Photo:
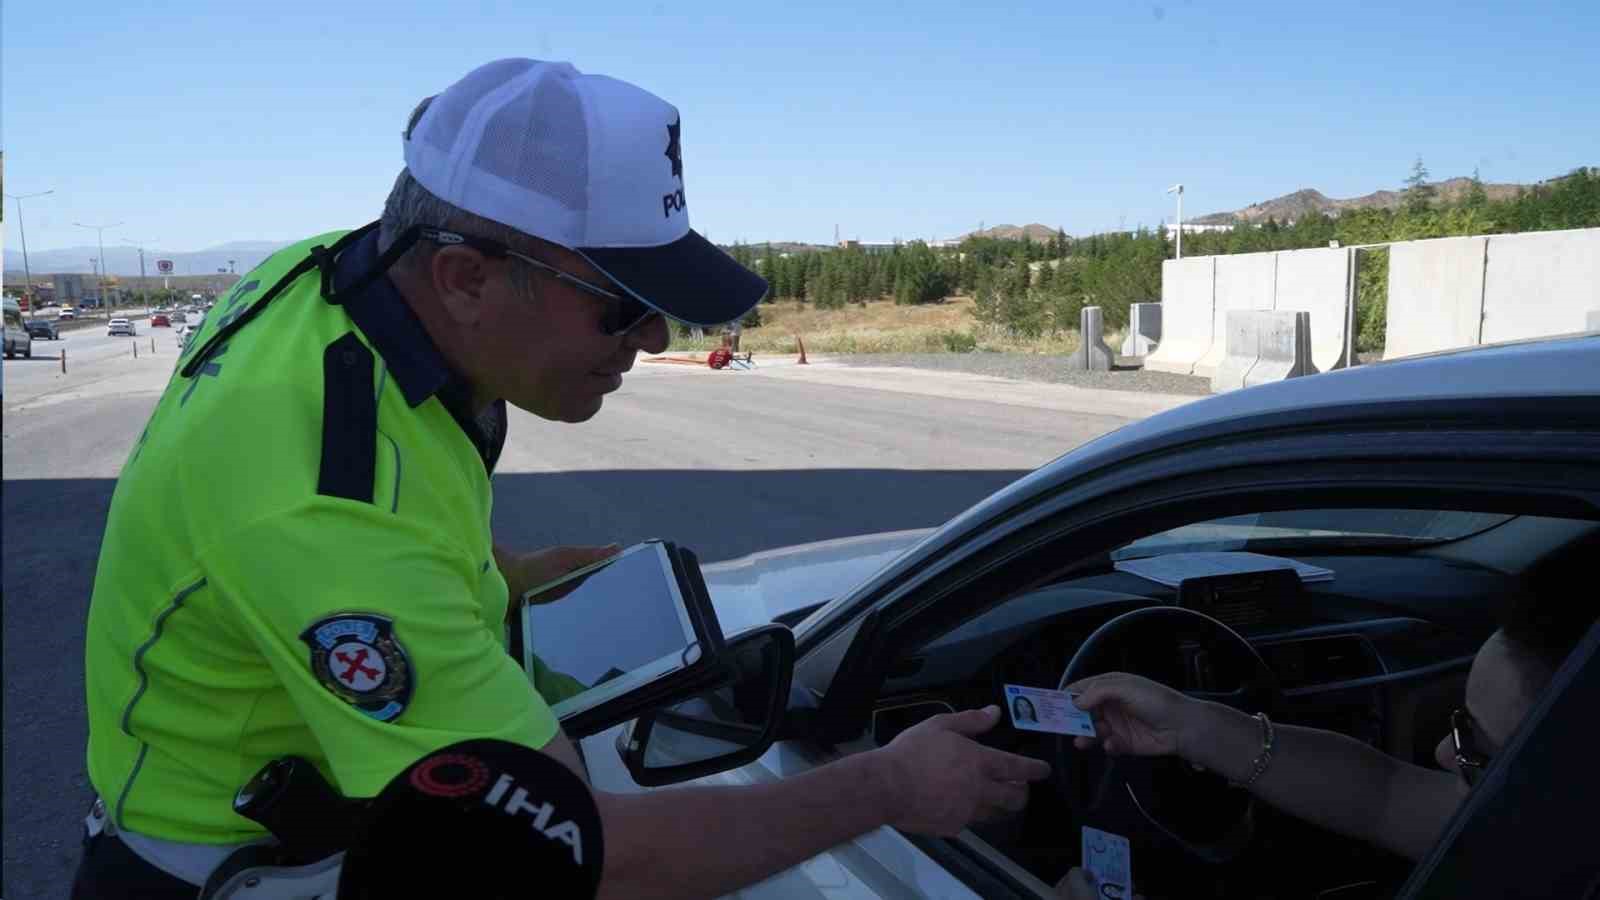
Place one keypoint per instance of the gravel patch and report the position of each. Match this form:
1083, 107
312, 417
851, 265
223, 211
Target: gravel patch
1034, 367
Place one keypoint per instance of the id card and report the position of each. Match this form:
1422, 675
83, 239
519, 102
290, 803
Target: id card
1038, 709
1108, 860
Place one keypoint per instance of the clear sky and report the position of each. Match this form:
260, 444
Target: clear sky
198, 123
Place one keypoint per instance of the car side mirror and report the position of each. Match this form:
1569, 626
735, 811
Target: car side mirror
728, 723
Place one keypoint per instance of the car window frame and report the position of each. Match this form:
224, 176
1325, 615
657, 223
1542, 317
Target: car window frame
1210, 445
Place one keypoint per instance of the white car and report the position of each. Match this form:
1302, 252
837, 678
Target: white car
66, 312
120, 326
1431, 490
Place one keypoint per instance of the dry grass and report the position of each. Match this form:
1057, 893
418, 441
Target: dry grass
882, 327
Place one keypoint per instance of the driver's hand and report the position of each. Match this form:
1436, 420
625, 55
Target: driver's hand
1134, 715
939, 780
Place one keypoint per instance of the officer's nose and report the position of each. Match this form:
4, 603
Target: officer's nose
651, 336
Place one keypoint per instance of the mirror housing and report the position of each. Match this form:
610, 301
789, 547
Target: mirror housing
729, 722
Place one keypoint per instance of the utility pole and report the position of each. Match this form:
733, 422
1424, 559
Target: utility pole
27, 275
1178, 189
144, 283
100, 234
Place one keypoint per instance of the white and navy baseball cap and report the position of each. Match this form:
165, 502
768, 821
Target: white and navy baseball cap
587, 162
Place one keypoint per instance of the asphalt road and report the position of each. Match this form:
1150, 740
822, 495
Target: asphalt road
724, 462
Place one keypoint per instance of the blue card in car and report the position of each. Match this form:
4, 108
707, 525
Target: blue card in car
1038, 709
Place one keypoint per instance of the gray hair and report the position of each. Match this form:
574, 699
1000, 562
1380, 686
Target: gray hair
410, 204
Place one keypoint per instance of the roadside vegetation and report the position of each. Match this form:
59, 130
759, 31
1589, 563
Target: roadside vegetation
1025, 295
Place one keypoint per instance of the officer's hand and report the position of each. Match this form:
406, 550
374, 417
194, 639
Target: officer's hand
524, 571
939, 780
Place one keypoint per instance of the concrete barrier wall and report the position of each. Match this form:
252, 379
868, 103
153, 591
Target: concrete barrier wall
1092, 355
1241, 342
1187, 306
1318, 282
1284, 341
1243, 281
1262, 346
1144, 329
1435, 295
1540, 283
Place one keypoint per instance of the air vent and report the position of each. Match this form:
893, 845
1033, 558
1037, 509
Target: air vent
1321, 660
1243, 612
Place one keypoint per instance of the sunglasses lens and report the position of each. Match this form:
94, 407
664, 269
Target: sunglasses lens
625, 315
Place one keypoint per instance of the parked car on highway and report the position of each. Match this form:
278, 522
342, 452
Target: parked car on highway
160, 320
43, 329
120, 326
17, 338
66, 312
1432, 490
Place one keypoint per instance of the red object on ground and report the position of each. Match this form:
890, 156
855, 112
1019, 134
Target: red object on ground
719, 358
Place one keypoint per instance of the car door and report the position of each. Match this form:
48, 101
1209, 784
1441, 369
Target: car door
1537, 455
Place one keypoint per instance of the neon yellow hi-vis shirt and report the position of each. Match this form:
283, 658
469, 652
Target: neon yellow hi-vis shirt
297, 560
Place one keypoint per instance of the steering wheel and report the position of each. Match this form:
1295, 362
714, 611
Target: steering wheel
1195, 810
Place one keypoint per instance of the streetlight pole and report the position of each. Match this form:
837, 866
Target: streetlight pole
27, 276
1178, 189
100, 235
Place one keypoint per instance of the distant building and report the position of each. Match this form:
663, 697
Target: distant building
71, 288
1192, 228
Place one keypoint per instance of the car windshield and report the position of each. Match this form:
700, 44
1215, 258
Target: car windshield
1343, 528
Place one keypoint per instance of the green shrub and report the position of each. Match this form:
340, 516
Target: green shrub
958, 341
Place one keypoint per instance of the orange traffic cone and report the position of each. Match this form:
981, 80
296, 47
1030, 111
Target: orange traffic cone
802, 344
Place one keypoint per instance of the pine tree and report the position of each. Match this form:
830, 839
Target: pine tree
1477, 198
1419, 193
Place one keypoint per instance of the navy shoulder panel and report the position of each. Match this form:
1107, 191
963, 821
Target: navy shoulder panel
349, 421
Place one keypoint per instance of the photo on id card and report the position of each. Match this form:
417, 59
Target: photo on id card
1039, 709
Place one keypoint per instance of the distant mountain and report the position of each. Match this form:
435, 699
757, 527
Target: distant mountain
1034, 231
124, 260
1307, 201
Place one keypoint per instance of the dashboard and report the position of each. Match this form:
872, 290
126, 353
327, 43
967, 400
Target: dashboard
1378, 653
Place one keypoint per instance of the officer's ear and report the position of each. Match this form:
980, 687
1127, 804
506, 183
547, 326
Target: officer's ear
459, 276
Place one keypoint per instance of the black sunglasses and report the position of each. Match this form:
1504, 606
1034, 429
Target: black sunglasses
623, 312
1470, 761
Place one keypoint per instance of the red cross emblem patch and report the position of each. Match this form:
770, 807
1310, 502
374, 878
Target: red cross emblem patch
357, 657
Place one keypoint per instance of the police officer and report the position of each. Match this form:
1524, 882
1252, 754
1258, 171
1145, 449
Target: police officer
298, 558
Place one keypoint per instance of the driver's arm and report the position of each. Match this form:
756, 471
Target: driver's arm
709, 841
1330, 779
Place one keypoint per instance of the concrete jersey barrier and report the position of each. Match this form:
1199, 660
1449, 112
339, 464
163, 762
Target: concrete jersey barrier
1187, 314
1435, 295
1092, 354
1144, 329
1285, 347
1263, 346
1540, 283
1318, 283
1244, 281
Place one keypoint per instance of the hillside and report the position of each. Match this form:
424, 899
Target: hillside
1308, 200
1034, 231
124, 260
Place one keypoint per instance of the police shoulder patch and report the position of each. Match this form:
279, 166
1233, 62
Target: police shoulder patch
359, 659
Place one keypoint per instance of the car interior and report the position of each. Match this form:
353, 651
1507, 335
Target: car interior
1379, 652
